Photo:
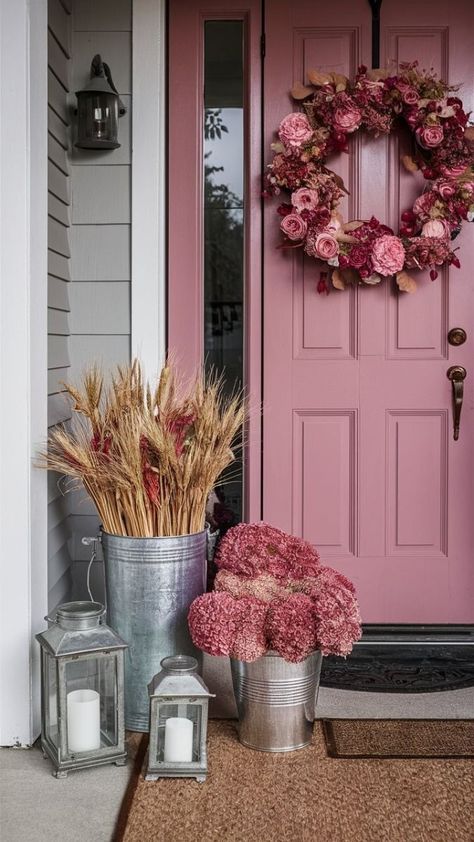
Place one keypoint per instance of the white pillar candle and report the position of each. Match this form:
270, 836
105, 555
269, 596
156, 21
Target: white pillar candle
178, 740
83, 720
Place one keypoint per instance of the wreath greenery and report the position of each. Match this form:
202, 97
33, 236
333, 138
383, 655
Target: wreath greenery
334, 108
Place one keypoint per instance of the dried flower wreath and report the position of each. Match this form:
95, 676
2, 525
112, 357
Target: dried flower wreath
361, 251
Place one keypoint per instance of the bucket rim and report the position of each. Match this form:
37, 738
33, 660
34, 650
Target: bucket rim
152, 537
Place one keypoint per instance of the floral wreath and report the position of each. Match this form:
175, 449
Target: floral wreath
361, 251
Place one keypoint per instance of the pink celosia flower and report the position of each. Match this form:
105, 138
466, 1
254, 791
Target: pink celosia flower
250, 641
250, 549
265, 587
291, 627
388, 255
213, 622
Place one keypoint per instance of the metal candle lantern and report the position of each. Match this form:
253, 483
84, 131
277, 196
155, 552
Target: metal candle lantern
82, 689
98, 109
179, 702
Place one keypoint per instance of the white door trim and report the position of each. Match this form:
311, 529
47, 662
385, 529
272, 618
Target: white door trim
148, 303
23, 361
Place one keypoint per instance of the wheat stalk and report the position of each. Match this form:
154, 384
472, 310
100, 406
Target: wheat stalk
148, 459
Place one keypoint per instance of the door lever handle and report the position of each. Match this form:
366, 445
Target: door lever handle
457, 375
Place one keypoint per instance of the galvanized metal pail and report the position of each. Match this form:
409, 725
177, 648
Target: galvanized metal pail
276, 701
150, 584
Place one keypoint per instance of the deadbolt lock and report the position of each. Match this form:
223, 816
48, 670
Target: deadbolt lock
457, 336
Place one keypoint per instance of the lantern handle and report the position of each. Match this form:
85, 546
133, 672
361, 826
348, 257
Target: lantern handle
108, 76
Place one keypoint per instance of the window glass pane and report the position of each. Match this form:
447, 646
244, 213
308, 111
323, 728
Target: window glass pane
224, 229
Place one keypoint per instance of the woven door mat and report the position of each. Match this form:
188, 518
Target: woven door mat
400, 738
300, 796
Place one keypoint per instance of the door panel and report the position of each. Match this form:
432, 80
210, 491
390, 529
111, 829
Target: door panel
359, 456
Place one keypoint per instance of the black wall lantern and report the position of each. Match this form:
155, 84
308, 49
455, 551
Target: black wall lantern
98, 109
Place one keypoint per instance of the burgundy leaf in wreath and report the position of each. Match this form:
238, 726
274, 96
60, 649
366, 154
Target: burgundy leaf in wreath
272, 594
335, 108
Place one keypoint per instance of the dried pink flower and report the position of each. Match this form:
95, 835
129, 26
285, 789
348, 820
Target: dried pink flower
291, 629
250, 549
212, 621
250, 641
265, 587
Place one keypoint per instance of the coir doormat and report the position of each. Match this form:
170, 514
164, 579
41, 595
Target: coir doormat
399, 738
300, 796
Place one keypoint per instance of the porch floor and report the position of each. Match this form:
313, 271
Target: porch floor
83, 807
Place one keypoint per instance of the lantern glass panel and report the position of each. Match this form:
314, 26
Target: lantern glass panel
91, 691
97, 118
172, 739
50, 685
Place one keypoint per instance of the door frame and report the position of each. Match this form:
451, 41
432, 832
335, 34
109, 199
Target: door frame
185, 177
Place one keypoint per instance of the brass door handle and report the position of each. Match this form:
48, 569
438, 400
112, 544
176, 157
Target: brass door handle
457, 375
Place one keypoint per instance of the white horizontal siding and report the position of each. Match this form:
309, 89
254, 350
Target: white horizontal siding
90, 15
59, 198
115, 49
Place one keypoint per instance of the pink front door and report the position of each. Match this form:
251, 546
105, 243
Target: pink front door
359, 456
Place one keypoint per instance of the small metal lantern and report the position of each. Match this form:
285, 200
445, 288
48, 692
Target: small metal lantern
179, 702
82, 715
98, 109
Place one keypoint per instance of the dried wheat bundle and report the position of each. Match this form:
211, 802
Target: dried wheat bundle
148, 460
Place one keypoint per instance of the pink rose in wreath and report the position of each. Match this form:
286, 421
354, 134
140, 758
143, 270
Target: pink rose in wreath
388, 255
305, 199
295, 130
456, 171
446, 189
423, 204
430, 136
347, 119
410, 96
326, 246
294, 226
434, 228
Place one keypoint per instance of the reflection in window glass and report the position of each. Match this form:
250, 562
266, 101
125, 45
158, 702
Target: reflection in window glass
224, 229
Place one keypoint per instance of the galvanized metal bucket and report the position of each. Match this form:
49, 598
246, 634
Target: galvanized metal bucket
150, 584
276, 701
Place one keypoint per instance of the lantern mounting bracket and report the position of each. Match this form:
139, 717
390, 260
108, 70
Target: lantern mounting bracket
101, 68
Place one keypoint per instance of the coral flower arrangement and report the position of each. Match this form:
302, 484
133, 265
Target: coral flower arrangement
273, 594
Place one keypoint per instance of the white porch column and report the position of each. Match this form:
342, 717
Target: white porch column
23, 361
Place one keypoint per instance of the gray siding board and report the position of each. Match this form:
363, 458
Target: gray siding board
100, 308
58, 293
57, 128
59, 184
114, 47
58, 322
58, 352
59, 22
100, 253
58, 62
107, 351
58, 511
58, 266
101, 195
58, 210
57, 155
103, 16
57, 376
59, 409
57, 98
62, 590
58, 239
